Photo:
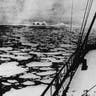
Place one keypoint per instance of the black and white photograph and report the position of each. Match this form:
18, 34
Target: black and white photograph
47, 47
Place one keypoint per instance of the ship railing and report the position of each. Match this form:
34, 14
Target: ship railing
63, 73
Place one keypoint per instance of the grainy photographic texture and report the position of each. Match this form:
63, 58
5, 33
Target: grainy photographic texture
47, 48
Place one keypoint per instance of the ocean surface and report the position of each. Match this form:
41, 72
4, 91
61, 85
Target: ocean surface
30, 56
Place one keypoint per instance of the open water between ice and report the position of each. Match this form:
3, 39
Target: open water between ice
29, 58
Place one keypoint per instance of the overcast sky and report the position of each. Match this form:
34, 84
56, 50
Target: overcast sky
51, 11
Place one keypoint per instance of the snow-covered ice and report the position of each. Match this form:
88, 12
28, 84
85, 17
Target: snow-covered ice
29, 75
34, 64
29, 91
5, 48
46, 73
10, 68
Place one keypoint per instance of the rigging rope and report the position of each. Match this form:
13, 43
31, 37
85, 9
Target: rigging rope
85, 19
84, 15
89, 8
82, 25
71, 16
88, 90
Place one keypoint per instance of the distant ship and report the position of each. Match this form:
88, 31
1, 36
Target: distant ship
45, 25
40, 24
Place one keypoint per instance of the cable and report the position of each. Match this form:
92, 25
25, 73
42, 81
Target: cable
71, 16
84, 16
89, 8
85, 19
82, 25
89, 90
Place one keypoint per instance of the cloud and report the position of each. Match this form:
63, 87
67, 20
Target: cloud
52, 11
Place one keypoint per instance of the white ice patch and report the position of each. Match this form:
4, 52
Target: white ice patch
67, 45
29, 44
15, 57
25, 49
10, 68
46, 68
28, 83
28, 91
53, 53
5, 59
34, 64
29, 75
51, 59
4, 83
6, 48
20, 53
46, 73
19, 58
15, 51
12, 81
6, 55
37, 53
58, 49
47, 80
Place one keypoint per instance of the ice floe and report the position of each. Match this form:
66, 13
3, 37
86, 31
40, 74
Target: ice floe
5, 83
10, 68
4, 59
28, 83
37, 53
29, 75
46, 73
20, 53
19, 58
34, 64
12, 81
6, 48
28, 91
